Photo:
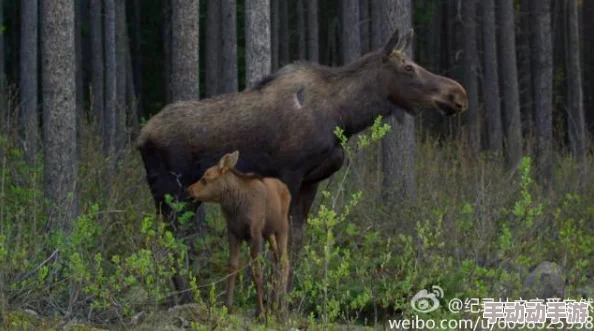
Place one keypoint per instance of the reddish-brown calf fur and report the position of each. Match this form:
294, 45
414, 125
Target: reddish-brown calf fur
256, 208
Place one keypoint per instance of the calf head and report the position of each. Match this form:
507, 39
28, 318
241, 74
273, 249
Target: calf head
216, 180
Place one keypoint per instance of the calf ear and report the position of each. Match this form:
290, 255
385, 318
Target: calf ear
228, 161
232, 161
223, 162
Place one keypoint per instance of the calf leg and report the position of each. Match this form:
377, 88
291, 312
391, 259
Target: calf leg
234, 246
283, 272
255, 244
277, 277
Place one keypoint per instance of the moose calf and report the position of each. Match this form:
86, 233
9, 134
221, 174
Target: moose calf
256, 208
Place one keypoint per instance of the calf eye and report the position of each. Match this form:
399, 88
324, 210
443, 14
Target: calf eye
409, 68
203, 181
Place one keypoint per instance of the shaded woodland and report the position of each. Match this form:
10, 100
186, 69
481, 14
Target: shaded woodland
490, 194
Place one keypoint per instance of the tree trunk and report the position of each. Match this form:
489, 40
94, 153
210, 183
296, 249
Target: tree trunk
213, 47
274, 27
184, 50
110, 111
433, 37
525, 67
79, 64
588, 57
121, 74
85, 19
542, 57
575, 118
301, 32
167, 48
491, 79
445, 56
351, 35
135, 38
97, 78
59, 108
333, 32
470, 78
399, 144
14, 44
509, 79
257, 36
132, 122
3, 96
229, 81
365, 26
377, 33
313, 40
283, 38
29, 118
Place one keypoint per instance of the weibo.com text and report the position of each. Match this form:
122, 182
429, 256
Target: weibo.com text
469, 324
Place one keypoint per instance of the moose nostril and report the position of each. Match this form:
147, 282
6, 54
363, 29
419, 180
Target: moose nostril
456, 101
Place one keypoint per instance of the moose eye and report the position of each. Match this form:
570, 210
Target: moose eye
409, 68
203, 181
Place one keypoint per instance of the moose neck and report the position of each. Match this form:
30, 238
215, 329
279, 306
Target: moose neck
360, 94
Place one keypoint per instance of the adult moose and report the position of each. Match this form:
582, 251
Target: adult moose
284, 126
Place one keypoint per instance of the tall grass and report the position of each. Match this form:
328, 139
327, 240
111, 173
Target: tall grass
475, 228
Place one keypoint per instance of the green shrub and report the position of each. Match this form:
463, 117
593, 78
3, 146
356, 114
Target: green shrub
474, 228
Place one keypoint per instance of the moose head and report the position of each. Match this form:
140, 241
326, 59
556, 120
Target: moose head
413, 87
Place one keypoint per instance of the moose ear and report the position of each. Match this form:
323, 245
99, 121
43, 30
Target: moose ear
406, 40
228, 161
389, 46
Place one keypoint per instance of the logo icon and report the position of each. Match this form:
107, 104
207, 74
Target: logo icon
425, 301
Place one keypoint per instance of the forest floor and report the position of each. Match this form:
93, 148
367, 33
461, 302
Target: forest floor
183, 317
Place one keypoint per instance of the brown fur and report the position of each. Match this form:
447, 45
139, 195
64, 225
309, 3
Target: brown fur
284, 126
343, 96
256, 208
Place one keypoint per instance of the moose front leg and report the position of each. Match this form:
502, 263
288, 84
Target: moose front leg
302, 201
167, 184
300, 205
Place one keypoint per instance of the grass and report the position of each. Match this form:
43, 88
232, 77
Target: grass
474, 228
